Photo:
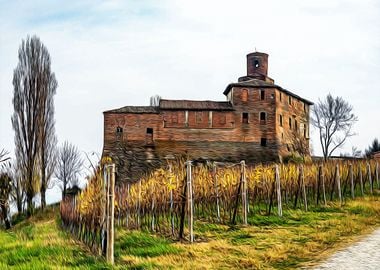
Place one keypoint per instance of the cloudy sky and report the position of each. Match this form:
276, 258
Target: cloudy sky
108, 54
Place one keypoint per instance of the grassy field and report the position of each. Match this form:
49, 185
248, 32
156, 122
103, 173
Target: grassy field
298, 239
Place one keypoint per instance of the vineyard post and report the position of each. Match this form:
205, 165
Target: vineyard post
111, 213
152, 209
369, 177
171, 199
323, 185
139, 205
278, 184
104, 212
127, 218
190, 201
377, 175
303, 188
217, 192
244, 192
361, 180
338, 183
352, 182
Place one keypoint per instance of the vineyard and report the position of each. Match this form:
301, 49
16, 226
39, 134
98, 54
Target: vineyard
171, 200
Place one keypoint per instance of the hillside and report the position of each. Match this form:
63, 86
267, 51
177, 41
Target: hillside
297, 239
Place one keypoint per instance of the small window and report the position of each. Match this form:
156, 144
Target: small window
280, 120
304, 132
280, 96
257, 63
149, 135
263, 142
244, 95
262, 94
290, 100
245, 118
290, 123
198, 117
282, 135
271, 96
295, 125
119, 130
263, 117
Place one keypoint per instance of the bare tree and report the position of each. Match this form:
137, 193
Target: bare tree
48, 142
155, 100
3, 155
34, 86
333, 117
69, 166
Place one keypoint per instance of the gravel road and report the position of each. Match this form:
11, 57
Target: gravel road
364, 254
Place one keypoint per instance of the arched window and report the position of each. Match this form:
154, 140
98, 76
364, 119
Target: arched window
244, 95
263, 117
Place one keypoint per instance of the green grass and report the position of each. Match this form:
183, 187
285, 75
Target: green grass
38, 243
298, 239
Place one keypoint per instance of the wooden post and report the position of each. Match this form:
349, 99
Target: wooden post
217, 192
139, 205
153, 210
244, 192
111, 213
338, 183
377, 175
303, 188
323, 185
104, 212
190, 201
128, 206
361, 180
369, 177
171, 200
278, 184
352, 182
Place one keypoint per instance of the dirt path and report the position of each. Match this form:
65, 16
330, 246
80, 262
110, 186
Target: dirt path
364, 254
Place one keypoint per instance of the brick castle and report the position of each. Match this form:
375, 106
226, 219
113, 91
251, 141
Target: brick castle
258, 122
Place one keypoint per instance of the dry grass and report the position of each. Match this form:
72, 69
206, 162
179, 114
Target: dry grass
298, 239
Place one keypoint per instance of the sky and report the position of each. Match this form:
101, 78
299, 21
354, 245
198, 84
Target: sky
109, 54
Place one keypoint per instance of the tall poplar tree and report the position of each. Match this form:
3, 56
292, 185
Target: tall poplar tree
34, 86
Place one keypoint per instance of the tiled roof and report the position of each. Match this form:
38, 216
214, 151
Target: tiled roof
135, 109
263, 84
166, 104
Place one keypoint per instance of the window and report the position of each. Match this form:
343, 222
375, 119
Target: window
290, 100
290, 123
119, 130
256, 63
280, 120
263, 142
263, 117
149, 136
198, 117
244, 95
262, 94
282, 135
295, 124
245, 118
305, 132
280, 96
